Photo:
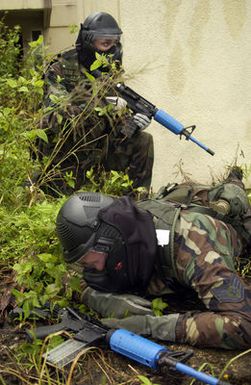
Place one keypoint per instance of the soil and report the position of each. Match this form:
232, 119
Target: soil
103, 367
100, 366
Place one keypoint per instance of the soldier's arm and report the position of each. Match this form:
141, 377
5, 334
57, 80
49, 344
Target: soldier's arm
54, 83
205, 261
228, 329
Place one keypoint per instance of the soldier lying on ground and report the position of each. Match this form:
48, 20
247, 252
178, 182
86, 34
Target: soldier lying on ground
129, 251
80, 135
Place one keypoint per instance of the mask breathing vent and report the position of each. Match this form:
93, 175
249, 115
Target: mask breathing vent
93, 197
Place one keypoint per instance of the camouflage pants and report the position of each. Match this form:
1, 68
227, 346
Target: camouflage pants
80, 152
205, 253
135, 155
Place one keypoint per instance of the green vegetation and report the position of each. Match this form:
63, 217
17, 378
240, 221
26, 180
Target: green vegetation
28, 241
31, 267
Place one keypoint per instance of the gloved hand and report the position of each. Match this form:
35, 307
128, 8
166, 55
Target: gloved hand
118, 102
141, 120
162, 328
115, 305
235, 198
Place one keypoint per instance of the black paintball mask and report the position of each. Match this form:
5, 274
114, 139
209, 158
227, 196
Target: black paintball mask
120, 229
130, 236
114, 278
95, 26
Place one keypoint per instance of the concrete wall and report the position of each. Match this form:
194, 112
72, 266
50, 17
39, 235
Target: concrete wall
196, 63
22, 4
189, 57
67, 13
64, 14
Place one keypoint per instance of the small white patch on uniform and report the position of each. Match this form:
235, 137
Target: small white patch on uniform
162, 237
211, 256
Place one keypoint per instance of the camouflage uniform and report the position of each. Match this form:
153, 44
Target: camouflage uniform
89, 140
200, 257
205, 249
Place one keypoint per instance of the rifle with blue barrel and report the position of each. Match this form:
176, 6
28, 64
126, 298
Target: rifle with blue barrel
90, 332
140, 105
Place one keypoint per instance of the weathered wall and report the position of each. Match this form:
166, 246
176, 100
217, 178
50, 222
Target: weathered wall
198, 67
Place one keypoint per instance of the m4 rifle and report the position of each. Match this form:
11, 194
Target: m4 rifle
90, 332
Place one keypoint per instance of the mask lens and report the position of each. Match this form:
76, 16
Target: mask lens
113, 38
104, 43
93, 259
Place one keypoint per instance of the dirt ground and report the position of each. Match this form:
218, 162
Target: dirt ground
100, 366
103, 367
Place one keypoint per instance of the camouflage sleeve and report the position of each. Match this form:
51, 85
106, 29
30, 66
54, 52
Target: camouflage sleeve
206, 249
53, 81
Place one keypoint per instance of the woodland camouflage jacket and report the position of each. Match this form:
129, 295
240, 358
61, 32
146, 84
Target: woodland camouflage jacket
205, 250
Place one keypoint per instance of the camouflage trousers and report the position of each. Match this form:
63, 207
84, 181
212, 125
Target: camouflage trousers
130, 155
206, 249
135, 155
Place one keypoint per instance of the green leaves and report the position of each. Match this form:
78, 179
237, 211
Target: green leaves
112, 182
55, 99
29, 243
158, 305
73, 28
41, 279
106, 110
90, 77
24, 85
33, 134
12, 83
28, 300
36, 43
101, 60
21, 92
70, 179
47, 258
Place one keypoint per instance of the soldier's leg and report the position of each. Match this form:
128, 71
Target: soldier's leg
205, 260
135, 156
72, 149
142, 158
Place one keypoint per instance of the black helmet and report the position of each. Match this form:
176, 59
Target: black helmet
77, 223
96, 25
100, 24
80, 228
114, 226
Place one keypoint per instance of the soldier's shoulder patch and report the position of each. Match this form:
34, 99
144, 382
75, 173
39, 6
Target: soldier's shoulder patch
231, 290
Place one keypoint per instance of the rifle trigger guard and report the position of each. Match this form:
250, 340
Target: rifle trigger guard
170, 359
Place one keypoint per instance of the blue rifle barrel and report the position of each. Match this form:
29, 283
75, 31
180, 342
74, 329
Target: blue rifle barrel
148, 353
177, 128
